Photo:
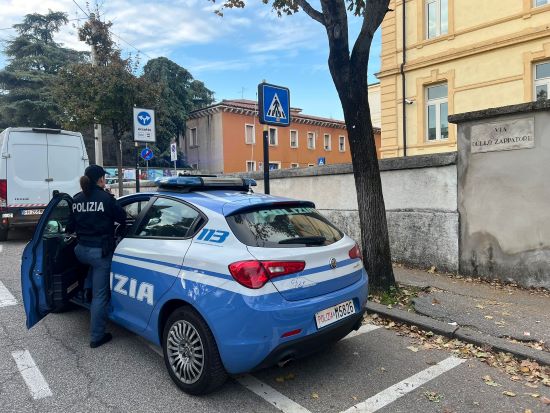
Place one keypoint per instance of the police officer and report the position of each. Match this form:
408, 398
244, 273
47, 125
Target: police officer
94, 213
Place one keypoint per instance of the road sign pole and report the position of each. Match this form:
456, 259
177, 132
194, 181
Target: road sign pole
137, 172
266, 160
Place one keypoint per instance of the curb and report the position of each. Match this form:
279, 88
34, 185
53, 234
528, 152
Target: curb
460, 333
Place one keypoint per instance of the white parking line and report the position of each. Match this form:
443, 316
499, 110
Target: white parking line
31, 374
1, 248
6, 298
400, 389
270, 395
365, 328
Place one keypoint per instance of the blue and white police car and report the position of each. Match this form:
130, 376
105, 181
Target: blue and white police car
227, 281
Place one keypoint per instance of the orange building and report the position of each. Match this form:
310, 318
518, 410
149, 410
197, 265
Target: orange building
227, 137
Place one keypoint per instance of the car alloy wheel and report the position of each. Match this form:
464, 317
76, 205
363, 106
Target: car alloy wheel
185, 352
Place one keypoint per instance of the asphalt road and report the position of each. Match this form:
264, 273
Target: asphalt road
51, 368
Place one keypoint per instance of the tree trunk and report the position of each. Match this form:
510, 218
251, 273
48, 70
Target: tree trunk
118, 142
370, 200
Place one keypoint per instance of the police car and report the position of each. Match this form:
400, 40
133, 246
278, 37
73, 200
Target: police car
227, 281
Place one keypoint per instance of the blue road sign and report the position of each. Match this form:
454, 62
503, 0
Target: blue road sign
144, 118
274, 104
321, 161
147, 154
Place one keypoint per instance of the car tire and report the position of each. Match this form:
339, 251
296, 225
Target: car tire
3, 234
191, 354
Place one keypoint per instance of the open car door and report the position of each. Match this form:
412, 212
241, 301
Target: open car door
50, 273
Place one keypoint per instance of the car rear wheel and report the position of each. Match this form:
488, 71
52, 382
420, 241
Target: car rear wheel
191, 354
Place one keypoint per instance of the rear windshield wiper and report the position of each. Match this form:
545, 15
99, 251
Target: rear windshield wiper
304, 240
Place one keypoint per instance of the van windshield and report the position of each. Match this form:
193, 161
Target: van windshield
287, 227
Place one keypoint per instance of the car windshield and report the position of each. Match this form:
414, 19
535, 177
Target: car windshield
288, 227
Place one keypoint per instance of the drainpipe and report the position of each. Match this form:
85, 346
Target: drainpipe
403, 83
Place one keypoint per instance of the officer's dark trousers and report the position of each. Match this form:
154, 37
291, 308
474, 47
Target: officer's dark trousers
101, 267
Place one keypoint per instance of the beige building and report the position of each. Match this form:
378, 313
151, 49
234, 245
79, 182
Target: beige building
374, 104
459, 56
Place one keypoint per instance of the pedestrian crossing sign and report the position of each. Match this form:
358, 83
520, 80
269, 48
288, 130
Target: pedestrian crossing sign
274, 105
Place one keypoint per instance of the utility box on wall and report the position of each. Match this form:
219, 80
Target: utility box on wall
504, 193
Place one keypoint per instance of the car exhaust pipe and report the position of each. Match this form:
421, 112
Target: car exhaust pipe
285, 361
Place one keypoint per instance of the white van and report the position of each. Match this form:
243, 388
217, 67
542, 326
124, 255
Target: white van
34, 162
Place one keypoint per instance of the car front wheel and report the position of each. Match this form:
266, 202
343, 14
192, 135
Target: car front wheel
191, 354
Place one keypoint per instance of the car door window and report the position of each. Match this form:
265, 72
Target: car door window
134, 209
168, 218
58, 218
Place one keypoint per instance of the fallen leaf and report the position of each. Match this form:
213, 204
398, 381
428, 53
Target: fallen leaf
526, 333
535, 395
280, 379
545, 400
432, 269
433, 396
527, 411
480, 306
382, 369
435, 301
533, 386
489, 381
290, 376
509, 393
525, 369
314, 395
354, 398
413, 349
489, 317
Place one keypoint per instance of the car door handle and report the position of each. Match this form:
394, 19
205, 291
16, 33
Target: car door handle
48, 179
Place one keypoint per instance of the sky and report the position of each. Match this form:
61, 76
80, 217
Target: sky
230, 54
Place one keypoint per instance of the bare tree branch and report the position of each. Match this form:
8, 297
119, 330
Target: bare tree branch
311, 12
373, 15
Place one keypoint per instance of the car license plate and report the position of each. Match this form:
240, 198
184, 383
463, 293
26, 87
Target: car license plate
333, 314
32, 212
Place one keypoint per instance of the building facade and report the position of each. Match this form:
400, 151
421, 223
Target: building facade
227, 137
459, 56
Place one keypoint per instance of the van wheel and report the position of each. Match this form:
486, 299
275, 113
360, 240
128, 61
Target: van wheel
191, 354
3, 234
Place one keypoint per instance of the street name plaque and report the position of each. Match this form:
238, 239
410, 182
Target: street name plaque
503, 135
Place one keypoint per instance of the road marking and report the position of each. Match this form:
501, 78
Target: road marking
365, 328
400, 389
31, 374
270, 395
6, 299
1, 248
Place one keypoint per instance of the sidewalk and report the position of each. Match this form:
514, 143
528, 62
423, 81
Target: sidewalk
505, 318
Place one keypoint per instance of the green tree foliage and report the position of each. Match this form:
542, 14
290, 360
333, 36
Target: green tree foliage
34, 61
349, 69
179, 94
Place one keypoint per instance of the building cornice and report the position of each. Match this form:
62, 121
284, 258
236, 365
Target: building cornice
296, 118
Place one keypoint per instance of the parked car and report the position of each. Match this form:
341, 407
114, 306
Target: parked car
34, 162
225, 280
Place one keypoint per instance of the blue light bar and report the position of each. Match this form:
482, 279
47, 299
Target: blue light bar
205, 182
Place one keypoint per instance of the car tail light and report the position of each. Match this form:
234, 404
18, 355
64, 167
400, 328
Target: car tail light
3, 192
255, 274
355, 252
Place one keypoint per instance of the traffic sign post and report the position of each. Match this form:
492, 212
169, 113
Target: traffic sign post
174, 155
273, 109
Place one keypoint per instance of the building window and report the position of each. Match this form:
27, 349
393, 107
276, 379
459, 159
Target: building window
294, 165
250, 166
273, 136
310, 164
193, 138
293, 138
437, 18
260, 166
437, 112
538, 3
273, 166
311, 140
327, 142
249, 135
542, 80
342, 143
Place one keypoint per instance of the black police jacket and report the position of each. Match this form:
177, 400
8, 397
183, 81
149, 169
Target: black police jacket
93, 218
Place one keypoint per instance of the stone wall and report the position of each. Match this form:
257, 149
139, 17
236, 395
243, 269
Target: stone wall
421, 202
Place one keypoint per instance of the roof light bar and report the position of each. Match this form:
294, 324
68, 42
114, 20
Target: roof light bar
206, 182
